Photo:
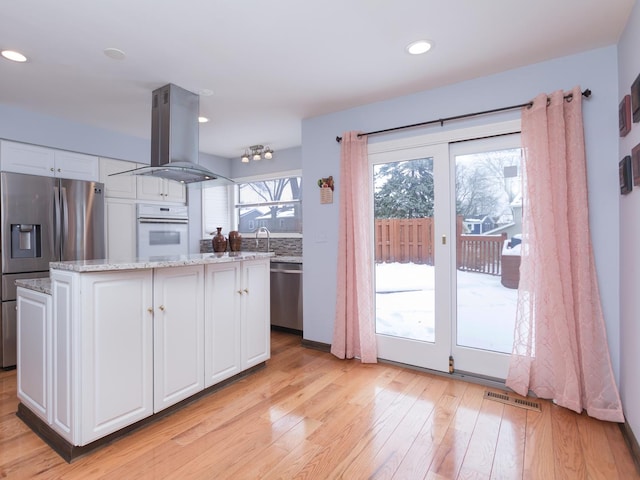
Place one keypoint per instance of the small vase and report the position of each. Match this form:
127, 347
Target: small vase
219, 241
235, 241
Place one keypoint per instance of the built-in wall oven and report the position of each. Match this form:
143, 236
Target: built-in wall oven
163, 230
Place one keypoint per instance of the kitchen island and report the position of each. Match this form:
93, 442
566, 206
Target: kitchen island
117, 343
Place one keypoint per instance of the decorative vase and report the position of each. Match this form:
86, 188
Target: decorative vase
219, 241
235, 241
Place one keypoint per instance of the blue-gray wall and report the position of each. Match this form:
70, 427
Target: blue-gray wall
629, 69
595, 69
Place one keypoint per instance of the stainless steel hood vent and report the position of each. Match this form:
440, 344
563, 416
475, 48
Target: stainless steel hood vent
174, 139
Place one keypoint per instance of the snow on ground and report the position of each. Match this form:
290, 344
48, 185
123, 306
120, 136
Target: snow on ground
405, 300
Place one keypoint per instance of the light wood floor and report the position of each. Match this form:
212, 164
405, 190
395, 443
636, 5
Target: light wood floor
309, 415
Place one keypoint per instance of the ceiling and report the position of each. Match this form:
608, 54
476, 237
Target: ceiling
270, 64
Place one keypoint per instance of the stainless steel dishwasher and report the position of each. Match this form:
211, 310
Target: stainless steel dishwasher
286, 296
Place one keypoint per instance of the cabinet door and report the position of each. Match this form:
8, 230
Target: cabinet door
116, 345
178, 334
25, 158
255, 314
120, 186
160, 189
33, 361
222, 322
175, 192
150, 188
77, 166
64, 370
120, 220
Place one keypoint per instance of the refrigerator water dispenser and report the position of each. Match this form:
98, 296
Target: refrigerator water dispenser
25, 241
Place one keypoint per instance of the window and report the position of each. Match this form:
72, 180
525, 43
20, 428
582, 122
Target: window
216, 210
274, 203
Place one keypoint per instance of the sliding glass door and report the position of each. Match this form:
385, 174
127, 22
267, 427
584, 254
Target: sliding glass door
412, 295
447, 225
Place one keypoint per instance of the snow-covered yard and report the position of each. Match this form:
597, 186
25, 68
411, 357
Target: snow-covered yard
405, 306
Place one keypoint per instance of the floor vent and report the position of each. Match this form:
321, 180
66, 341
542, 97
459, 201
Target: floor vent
509, 400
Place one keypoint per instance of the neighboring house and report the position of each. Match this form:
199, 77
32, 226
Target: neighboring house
479, 226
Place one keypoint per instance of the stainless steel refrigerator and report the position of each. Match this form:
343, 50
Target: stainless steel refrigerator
42, 220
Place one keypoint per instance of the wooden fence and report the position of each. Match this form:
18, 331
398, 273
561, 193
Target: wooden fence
404, 240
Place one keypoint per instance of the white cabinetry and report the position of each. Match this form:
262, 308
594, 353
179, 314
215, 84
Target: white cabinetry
255, 312
48, 162
178, 306
110, 348
160, 189
107, 384
119, 186
34, 351
116, 363
222, 322
237, 326
120, 229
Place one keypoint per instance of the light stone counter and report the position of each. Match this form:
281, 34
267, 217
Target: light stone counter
106, 265
42, 285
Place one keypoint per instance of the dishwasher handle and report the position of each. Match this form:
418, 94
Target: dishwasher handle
276, 270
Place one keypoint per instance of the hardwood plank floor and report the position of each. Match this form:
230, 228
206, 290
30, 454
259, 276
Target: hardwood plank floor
309, 415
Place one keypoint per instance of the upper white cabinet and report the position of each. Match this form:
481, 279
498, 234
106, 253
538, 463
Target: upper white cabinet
117, 186
48, 162
138, 187
76, 165
160, 189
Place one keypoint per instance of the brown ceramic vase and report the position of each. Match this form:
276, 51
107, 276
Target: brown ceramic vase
235, 241
219, 241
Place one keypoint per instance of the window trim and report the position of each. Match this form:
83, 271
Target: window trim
260, 178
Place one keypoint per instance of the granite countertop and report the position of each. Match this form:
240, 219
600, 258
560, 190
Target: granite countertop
105, 265
286, 259
42, 285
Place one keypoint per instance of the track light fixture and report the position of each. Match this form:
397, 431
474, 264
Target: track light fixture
256, 152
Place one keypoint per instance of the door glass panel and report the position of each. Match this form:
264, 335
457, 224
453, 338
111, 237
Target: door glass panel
489, 227
404, 250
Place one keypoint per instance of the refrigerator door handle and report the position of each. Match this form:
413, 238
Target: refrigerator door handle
57, 221
64, 235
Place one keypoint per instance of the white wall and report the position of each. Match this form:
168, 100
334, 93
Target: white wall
596, 70
629, 68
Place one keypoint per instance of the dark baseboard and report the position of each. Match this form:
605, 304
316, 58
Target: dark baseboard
632, 443
294, 331
70, 452
323, 347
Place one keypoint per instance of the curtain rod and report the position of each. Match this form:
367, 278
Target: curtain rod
586, 93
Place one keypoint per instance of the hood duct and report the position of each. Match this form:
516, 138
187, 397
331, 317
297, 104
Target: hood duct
175, 139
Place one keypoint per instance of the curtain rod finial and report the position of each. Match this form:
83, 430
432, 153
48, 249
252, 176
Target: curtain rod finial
338, 139
587, 93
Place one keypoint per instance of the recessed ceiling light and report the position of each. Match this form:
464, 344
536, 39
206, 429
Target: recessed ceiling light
203, 119
419, 47
114, 53
13, 56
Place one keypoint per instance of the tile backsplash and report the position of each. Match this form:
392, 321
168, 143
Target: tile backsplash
279, 245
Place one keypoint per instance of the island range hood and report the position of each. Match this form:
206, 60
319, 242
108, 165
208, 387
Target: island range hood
175, 140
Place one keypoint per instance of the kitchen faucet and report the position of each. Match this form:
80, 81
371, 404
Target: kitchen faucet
266, 230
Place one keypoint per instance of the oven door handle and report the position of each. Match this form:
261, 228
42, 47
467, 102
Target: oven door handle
171, 221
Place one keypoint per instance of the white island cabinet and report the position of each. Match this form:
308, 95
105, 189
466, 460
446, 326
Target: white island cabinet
128, 339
